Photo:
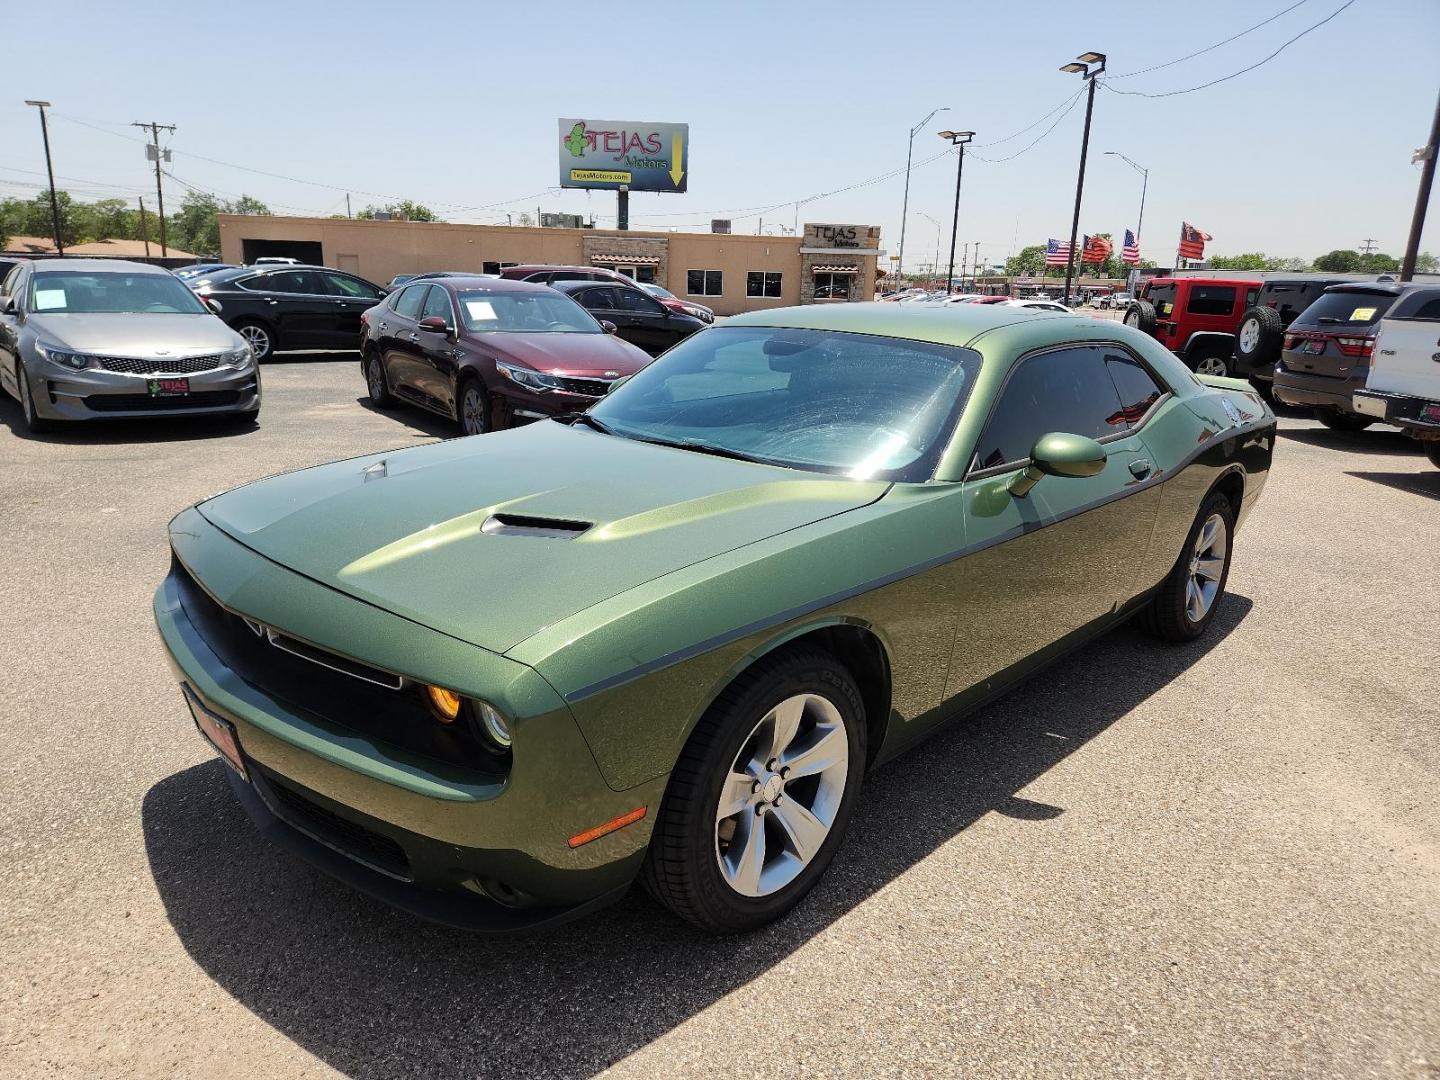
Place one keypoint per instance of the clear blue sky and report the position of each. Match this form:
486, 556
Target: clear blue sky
454, 105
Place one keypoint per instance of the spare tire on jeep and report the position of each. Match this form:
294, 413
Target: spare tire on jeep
1257, 341
1141, 315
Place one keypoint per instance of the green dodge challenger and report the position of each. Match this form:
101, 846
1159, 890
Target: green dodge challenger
494, 681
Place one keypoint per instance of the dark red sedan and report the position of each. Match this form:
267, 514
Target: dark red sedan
489, 353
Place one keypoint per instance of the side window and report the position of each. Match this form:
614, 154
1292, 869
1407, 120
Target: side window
340, 285
636, 301
259, 283
438, 303
704, 282
762, 283
599, 299
9, 280
409, 303
1211, 300
1430, 310
1065, 390
1137, 387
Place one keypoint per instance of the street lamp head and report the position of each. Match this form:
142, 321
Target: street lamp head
957, 138
947, 134
42, 104
1092, 57
1075, 69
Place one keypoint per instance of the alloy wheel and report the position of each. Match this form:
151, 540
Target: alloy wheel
257, 339
1132, 318
375, 379
1212, 365
1249, 335
781, 797
1207, 566
472, 411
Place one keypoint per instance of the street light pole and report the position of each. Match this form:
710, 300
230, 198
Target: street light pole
1144, 183
50, 170
905, 207
956, 138
1081, 66
1427, 153
939, 232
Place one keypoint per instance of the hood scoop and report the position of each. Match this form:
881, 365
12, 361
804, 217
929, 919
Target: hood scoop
529, 525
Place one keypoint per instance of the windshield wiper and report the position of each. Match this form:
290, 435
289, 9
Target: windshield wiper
1329, 319
706, 448
598, 425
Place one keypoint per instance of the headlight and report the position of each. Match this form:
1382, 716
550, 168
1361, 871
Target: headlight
523, 376
448, 707
494, 724
237, 358
70, 361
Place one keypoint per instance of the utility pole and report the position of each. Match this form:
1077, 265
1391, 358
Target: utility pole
1367, 247
1426, 154
1081, 67
347, 205
50, 169
144, 230
959, 139
975, 266
159, 191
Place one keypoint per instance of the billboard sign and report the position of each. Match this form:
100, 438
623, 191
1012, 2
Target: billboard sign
609, 155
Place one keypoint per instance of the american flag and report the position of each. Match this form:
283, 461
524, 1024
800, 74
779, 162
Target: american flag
1192, 241
1057, 252
1097, 249
1130, 253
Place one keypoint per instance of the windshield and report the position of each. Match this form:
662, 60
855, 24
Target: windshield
657, 290
853, 404
71, 292
524, 313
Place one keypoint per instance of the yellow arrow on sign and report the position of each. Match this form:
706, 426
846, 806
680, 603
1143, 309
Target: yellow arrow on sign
676, 148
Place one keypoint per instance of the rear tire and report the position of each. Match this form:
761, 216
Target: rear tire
1341, 421
1432, 451
258, 336
1141, 315
1210, 359
732, 872
376, 383
1186, 602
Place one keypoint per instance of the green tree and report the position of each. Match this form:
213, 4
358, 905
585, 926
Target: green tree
1339, 261
1378, 263
1424, 262
409, 211
1030, 260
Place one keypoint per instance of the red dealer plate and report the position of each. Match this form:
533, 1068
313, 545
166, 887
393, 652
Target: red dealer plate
169, 387
218, 732
1430, 414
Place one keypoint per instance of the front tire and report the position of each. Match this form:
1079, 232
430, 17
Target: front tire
472, 407
762, 794
35, 424
1342, 421
1191, 593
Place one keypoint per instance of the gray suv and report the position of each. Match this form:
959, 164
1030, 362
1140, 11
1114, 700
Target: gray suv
84, 339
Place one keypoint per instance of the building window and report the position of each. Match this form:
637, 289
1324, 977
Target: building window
495, 267
703, 282
830, 286
762, 283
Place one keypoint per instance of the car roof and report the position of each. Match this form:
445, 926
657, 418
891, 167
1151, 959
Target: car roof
943, 324
115, 266
479, 283
1205, 280
527, 268
1390, 288
610, 283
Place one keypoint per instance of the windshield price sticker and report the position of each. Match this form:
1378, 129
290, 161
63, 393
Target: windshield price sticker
46, 299
1362, 314
480, 310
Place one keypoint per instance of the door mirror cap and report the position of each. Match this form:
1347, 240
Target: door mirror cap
1059, 454
7, 305
435, 324
608, 326
213, 305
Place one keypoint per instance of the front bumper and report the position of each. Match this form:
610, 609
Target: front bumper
481, 847
1319, 391
1402, 410
96, 395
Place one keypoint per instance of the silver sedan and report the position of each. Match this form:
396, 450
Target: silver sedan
85, 339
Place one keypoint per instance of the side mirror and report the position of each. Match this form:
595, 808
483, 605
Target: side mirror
435, 324
7, 305
213, 305
1059, 454
608, 326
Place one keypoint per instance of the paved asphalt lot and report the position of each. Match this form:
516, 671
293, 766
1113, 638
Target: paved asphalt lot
1215, 860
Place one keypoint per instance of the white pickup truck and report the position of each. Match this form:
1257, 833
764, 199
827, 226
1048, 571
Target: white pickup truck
1403, 387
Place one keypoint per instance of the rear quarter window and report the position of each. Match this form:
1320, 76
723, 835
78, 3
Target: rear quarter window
1347, 309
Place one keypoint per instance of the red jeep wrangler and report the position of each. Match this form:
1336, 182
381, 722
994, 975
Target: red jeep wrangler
1195, 318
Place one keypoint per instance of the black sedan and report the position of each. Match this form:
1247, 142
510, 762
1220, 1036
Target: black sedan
638, 317
291, 307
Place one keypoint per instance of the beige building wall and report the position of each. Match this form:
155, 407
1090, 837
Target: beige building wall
378, 250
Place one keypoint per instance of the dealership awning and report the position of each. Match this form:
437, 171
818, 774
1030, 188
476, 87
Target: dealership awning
627, 260
837, 269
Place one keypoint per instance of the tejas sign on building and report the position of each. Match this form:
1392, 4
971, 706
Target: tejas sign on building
612, 154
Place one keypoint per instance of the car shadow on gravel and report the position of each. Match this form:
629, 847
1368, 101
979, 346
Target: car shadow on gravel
1421, 483
1369, 441
376, 993
423, 421
150, 429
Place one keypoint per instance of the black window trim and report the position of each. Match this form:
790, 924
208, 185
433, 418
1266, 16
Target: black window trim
1166, 393
347, 296
704, 281
762, 294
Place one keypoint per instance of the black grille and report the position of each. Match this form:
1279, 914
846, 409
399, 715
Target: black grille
205, 399
137, 366
588, 387
348, 837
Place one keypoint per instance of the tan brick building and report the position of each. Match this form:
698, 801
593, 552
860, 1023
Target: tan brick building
729, 272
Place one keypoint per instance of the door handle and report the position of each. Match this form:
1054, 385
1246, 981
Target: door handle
413, 336
1140, 468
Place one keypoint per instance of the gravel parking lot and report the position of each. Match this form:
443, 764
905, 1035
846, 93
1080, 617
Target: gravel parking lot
1215, 860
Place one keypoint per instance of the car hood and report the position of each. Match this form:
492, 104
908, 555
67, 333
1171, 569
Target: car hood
135, 333
471, 537
567, 354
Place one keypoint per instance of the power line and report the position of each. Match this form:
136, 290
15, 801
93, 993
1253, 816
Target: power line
1236, 74
1211, 48
1036, 142
1029, 127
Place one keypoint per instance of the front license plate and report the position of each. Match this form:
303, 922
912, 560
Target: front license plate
218, 732
1430, 413
169, 387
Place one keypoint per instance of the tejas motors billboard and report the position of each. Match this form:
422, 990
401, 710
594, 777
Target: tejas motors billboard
609, 154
